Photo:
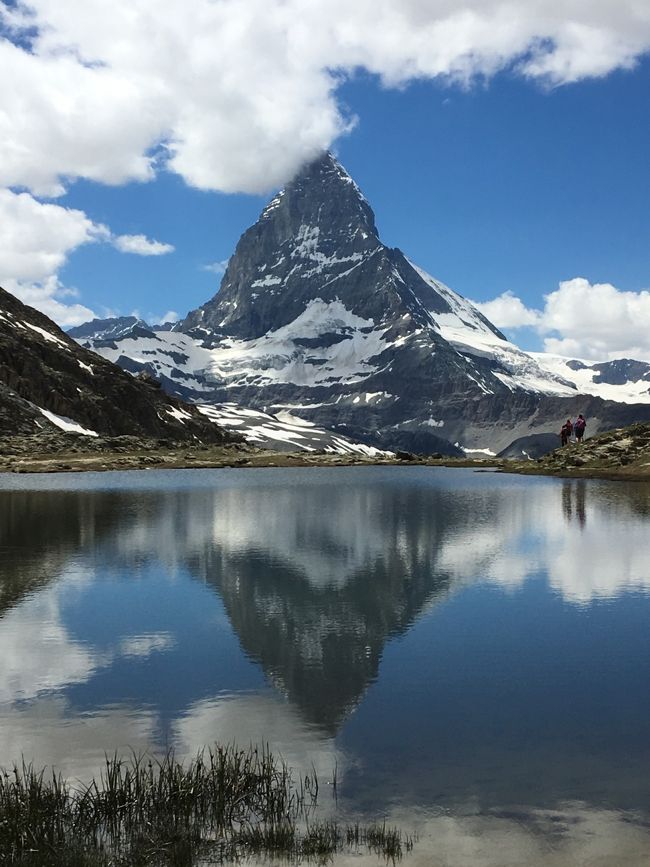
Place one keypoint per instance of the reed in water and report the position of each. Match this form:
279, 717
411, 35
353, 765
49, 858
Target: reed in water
225, 804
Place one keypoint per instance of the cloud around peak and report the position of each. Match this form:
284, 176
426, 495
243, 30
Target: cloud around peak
238, 94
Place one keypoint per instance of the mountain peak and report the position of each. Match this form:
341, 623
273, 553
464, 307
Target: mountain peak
321, 180
313, 231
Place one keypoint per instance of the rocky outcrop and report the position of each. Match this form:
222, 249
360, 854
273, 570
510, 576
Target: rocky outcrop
624, 450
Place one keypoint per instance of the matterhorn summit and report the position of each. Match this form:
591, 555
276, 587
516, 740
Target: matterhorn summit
317, 317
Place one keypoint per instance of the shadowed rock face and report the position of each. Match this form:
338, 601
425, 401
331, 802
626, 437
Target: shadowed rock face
621, 370
42, 368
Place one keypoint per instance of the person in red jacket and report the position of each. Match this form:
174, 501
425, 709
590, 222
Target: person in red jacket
566, 431
579, 428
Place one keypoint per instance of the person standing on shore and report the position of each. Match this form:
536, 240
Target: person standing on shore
566, 431
579, 428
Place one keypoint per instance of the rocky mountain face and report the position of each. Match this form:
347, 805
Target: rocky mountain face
48, 381
316, 316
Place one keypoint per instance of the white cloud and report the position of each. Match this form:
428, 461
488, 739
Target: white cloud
216, 267
157, 319
36, 239
49, 296
587, 320
508, 311
597, 321
239, 93
141, 245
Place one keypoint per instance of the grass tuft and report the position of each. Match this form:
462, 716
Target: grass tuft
226, 804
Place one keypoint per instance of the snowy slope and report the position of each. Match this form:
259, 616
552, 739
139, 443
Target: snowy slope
283, 432
473, 335
629, 381
328, 345
348, 343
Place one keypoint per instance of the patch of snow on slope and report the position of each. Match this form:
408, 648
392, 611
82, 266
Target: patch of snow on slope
67, 424
267, 280
179, 414
487, 452
289, 419
629, 392
268, 431
277, 357
46, 334
307, 248
273, 204
168, 352
346, 447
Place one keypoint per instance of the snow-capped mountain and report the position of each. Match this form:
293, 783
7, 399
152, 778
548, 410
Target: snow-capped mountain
107, 329
623, 380
316, 316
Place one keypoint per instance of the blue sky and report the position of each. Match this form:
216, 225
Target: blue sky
504, 172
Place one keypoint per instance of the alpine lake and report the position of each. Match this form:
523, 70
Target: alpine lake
464, 655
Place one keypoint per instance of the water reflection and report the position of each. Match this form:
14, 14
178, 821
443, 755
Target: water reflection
572, 835
346, 617
573, 501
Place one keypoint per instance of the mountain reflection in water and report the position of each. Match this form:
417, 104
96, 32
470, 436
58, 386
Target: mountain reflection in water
437, 635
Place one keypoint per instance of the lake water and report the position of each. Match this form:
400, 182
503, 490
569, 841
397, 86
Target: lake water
470, 651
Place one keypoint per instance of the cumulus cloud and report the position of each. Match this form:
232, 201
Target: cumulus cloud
508, 311
597, 321
141, 245
51, 297
36, 239
237, 94
594, 321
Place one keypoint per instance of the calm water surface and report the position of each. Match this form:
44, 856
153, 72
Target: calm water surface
470, 651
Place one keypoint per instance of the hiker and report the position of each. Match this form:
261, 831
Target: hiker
566, 431
579, 428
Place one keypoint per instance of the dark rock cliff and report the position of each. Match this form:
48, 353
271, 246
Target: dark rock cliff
42, 368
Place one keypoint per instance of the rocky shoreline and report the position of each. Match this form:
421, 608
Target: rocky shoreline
68, 453
621, 454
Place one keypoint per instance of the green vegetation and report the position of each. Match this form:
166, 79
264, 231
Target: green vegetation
223, 805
